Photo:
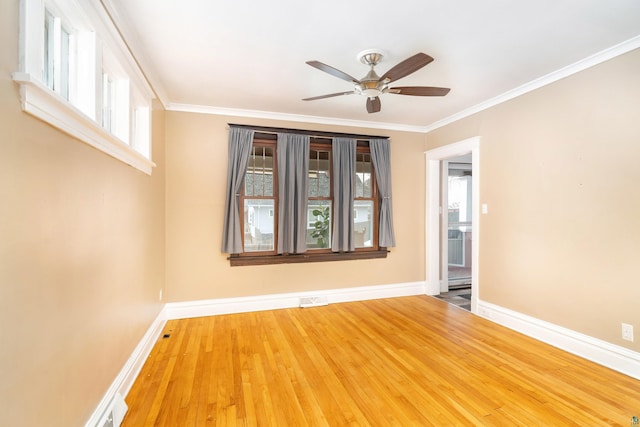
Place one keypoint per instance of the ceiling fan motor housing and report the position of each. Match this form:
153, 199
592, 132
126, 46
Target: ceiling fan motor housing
371, 85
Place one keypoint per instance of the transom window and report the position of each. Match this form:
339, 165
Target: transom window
56, 55
77, 75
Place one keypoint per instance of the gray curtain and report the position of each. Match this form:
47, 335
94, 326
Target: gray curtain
240, 143
381, 159
344, 161
293, 168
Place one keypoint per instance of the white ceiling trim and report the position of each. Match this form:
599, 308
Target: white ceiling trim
257, 114
132, 42
593, 60
581, 65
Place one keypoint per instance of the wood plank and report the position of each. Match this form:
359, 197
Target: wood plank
398, 361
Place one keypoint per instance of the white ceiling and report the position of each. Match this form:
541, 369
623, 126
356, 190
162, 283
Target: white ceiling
249, 56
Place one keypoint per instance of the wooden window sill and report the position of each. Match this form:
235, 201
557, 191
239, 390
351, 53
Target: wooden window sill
242, 260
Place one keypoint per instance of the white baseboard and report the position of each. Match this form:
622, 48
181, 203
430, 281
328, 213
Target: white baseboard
189, 309
610, 355
182, 310
112, 401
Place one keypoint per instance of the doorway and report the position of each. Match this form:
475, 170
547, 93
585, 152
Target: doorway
437, 238
457, 222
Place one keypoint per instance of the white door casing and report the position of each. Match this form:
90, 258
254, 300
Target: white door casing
434, 210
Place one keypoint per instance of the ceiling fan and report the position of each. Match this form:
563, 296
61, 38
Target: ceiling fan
372, 86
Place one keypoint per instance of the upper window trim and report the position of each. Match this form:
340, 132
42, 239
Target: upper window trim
49, 106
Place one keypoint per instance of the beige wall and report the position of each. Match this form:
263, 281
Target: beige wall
83, 236
81, 260
196, 180
561, 177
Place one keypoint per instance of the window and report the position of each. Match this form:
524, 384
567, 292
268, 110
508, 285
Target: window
77, 75
365, 201
116, 98
319, 201
259, 202
56, 55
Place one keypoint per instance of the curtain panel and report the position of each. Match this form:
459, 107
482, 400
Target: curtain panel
381, 159
344, 161
240, 143
293, 170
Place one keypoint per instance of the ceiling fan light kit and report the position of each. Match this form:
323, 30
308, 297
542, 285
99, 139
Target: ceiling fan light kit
372, 85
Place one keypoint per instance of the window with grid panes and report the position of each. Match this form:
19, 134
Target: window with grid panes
319, 210
259, 201
365, 203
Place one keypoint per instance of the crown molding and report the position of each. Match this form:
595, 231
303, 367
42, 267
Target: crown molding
588, 62
593, 60
259, 114
133, 45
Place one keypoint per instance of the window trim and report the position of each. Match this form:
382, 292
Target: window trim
51, 107
312, 255
39, 101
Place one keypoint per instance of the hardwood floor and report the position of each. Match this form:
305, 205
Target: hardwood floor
410, 361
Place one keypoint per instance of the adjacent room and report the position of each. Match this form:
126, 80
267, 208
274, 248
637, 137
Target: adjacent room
342, 213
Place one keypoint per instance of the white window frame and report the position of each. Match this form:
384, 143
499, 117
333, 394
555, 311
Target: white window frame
116, 98
92, 37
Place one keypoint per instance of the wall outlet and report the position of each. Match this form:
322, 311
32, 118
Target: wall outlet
627, 332
160, 295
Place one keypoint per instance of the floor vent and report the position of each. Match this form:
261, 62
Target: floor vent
306, 302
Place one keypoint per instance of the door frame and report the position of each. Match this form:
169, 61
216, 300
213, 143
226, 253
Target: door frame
444, 225
434, 210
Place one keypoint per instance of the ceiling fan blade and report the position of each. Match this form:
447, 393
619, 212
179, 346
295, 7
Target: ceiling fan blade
407, 67
330, 95
420, 90
373, 105
333, 71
